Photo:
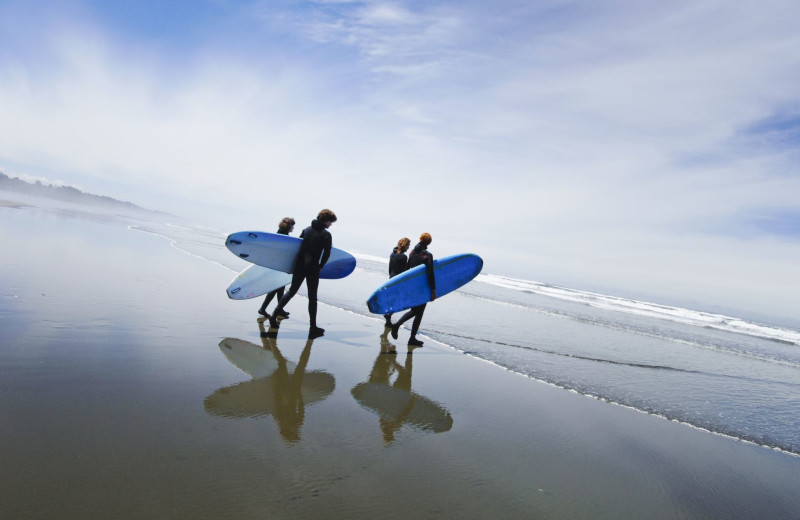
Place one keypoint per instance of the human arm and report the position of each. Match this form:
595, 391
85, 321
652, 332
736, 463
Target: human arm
326, 251
430, 274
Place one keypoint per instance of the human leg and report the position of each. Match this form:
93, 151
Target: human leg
283, 314
415, 326
312, 284
263, 309
407, 316
267, 299
297, 281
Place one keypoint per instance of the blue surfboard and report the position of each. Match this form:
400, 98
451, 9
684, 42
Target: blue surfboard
411, 288
278, 252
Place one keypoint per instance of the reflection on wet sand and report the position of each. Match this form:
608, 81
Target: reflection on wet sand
395, 403
279, 387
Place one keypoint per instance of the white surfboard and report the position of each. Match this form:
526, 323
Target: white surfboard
256, 281
254, 360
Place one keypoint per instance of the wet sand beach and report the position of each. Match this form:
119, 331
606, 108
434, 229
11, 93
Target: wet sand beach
131, 387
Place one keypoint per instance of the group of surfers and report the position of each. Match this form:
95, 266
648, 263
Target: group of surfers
315, 250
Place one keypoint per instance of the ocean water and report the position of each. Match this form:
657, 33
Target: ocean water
722, 374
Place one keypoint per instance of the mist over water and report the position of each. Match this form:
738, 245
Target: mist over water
720, 373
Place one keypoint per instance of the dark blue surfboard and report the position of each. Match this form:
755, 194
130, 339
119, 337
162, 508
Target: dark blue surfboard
411, 288
278, 252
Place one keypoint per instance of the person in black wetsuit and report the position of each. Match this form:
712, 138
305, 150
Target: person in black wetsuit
314, 253
419, 256
285, 227
398, 262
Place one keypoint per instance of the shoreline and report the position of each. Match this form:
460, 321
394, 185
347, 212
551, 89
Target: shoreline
108, 376
612, 402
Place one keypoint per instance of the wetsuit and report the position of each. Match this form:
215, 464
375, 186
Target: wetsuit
279, 291
398, 262
314, 253
419, 256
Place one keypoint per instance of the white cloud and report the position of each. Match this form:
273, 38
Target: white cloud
603, 145
380, 13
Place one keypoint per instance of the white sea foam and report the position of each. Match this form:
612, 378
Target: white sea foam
651, 310
371, 258
613, 402
174, 243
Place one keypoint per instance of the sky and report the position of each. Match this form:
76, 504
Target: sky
642, 149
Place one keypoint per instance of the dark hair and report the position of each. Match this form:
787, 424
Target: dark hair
326, 215
286, 224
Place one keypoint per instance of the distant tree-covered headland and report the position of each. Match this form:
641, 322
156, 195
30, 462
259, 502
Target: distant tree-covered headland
65, 193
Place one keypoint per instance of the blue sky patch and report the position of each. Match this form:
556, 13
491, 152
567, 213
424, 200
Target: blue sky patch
780, 129
783, 223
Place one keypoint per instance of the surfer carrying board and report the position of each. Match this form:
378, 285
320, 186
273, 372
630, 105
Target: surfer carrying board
314, 253
398, 263
285, 227
419, 256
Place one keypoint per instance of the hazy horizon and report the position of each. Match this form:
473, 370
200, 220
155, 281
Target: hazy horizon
633, 149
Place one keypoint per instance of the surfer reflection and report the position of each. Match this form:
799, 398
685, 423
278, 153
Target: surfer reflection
395, 403
279, 387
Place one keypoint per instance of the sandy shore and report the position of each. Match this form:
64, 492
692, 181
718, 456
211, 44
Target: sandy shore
133, 388
11, 204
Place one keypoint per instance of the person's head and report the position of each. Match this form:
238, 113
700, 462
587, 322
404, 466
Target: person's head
425, 239
402, 244
286, 224
327, 217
